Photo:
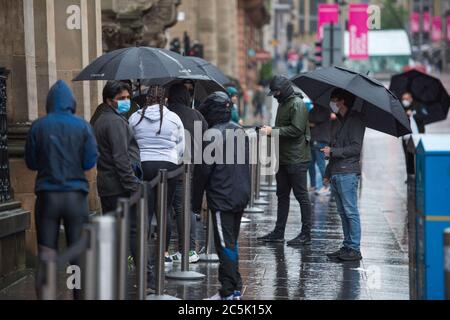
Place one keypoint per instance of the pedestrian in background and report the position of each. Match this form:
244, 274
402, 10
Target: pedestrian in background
294, 159
227, 187
416, 110
320, 123
259, 100
344, 171
234, 95
60, 147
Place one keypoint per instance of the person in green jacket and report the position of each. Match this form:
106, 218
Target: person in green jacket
234, 95
294, 159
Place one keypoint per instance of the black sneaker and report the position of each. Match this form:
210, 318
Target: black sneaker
271, 237
302, 239
336, 254
350, 255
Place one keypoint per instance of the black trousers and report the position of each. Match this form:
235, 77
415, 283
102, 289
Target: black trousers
226, 234
293, 177
177, 207
51, 208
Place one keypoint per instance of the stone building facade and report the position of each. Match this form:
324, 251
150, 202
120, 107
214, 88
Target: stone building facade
231, 31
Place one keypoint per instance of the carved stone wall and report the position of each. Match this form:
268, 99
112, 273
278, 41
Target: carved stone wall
138, 22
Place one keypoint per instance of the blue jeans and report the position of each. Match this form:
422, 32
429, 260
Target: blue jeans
344, 188
317, 158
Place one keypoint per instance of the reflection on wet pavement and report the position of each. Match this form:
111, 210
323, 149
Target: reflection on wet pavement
279, 272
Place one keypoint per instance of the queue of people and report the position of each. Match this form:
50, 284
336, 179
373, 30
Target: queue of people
127, 151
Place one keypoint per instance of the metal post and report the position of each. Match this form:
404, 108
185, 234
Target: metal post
251, 207
258, 196
209, 255
162, 231
50, 288
106, 267
447, 262
89, 263
124, 232
142, 233
185, 274
270, 187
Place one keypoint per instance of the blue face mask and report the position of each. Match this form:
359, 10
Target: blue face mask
123, 106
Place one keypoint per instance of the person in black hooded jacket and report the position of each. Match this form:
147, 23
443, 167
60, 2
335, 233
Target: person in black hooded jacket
227, 185
179, 101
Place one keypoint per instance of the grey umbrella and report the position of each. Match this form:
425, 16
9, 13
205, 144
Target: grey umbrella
380, 108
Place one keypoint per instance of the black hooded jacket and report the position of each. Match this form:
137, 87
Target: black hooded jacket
179, 100
227, 185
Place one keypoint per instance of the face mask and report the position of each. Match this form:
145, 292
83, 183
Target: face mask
334, 107
406, 103
123, 106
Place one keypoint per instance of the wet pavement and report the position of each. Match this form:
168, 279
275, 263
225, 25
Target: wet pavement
279, 272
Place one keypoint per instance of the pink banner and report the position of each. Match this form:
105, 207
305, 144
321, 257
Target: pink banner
436, 31
328, 14
426, 22
448, 28
414, 21
359, 32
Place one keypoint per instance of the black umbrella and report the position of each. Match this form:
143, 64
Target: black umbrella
138, 63
211, 70
426, 90
380, 108
204, 85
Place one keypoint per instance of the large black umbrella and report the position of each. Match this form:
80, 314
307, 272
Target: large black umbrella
380, 108
204, 85
426, 90
211, 70
138, 63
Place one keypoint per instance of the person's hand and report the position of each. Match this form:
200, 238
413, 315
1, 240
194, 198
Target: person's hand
312, 125
409, 113
326, 151
267, 130
333, 117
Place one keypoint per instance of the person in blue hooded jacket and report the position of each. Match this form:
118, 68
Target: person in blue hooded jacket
61, 147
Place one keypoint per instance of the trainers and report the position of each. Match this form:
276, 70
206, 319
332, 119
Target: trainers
271, 237
218, 297
168, 261
336, 254
176, 258
237, 296
350, 255
193, 257
302, 239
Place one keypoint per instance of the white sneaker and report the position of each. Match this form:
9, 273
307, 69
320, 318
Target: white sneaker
219, 297
168, 262
176, 258
193, 257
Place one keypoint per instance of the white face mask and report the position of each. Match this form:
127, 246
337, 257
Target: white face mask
406, 103
334, 107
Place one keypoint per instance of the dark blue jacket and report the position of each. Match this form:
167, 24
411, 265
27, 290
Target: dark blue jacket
61, 146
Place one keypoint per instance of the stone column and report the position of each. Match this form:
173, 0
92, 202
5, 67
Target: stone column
227, 36
207, 28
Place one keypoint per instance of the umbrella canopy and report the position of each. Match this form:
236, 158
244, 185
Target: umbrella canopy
380, 108
211, 70
139, 63
426, 90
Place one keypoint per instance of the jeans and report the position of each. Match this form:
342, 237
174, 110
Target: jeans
226, 234
344, 188
293, 177
318, 158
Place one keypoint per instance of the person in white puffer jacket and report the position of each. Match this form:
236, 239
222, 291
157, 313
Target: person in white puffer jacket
161, 138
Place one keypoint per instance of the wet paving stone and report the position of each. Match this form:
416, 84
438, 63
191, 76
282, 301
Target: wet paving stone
280, 272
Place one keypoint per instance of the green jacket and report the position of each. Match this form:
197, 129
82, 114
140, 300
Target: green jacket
294, 131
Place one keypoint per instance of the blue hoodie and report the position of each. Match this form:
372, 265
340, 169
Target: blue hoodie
61, 146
